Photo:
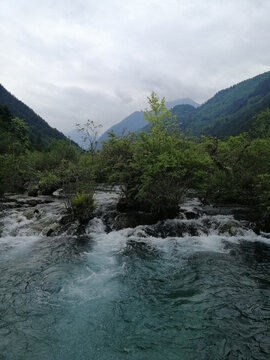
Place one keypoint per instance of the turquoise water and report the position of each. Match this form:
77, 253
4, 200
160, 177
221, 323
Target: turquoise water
124, 296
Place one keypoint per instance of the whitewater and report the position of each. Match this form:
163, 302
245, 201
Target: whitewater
135, 293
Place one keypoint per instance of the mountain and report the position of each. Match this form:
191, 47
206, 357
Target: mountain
135, 121
185, 101
39, 130
77, 137
230, 111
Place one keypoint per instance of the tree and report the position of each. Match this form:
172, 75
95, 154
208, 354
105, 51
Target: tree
261, 125
90, 132
155, 169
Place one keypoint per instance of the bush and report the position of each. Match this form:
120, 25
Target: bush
82, 207
48, 182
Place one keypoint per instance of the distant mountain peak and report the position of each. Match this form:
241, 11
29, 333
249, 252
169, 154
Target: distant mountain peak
184, 101
135, 121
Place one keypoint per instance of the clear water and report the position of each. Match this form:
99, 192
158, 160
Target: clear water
123, 296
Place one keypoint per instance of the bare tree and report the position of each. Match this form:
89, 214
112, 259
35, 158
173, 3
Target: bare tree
90, 132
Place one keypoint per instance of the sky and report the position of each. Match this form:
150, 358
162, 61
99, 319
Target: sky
74, 60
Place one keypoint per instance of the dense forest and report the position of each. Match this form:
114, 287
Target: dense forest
229, 112
155, 169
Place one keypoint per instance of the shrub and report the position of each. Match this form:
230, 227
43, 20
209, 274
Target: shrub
48, 182
82, 207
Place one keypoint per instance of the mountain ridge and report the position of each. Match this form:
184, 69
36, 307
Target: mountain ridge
229, 111
135, 121
39, 129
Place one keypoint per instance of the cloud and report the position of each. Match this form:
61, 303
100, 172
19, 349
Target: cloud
74, 60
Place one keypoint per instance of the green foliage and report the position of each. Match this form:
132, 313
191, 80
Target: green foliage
19, 130
160, 118
230, 111
261, 125
82, 206
15, 172
39, 131
263, 190
155, 169
117, 163
13, 135
48, 182
239, 174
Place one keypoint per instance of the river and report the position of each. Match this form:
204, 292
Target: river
130, 293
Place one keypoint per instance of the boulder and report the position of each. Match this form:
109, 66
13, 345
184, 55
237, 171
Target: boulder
231, 228
190, 215
29, 214
32, 191
132, 219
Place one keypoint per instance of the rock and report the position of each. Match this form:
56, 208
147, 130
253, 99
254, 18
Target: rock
164, 229
125, 206
137, 213
133, 219
80, 230
32, 202
231, 228
49, 232
259, 220
29, 214
190, 215
65, 219
37, 213
169, 212
58, 193
52, 229
135, 206
49, 190
33, 190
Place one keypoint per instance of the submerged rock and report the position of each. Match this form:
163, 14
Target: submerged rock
232, 228
139, 207
190, 215
49, 232
29, 214
259, 220
174, 228
32, 202
132, 219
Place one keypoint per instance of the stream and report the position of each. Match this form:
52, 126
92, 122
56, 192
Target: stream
180, 289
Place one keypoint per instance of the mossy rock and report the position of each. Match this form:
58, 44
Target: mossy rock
231, 228
29, 214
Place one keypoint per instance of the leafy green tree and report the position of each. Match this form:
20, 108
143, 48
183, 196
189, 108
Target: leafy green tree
155, 169
19, 129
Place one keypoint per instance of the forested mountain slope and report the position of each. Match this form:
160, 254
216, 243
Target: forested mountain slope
39, 129
230, 111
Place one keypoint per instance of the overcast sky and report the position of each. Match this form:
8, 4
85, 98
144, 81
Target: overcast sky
73, 60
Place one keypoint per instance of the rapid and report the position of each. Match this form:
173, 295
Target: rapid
185, 288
